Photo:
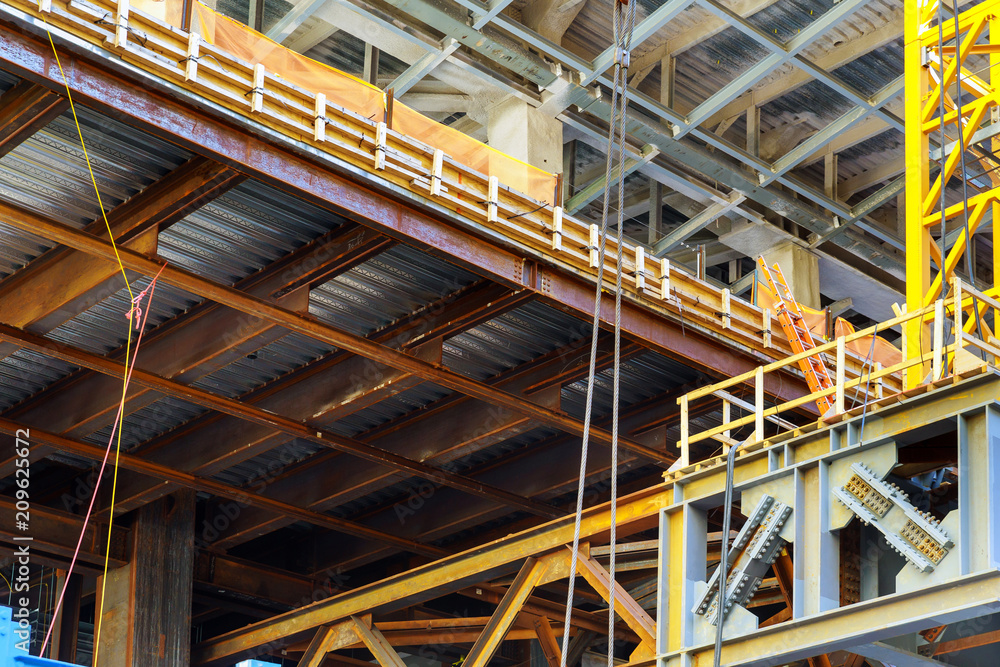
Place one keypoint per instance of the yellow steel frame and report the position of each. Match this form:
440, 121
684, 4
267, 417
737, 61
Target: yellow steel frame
925, 90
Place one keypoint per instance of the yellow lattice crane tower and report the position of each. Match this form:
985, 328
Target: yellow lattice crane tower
938, 51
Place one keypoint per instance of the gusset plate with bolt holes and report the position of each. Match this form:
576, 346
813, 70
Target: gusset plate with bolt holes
915, 535
755, 548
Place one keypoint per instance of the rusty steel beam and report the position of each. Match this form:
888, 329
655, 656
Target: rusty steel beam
438, 433
62, 282
327, 388
25, 109
310, 178
295, 428
195, 343
55, 533
243, 496
28, 221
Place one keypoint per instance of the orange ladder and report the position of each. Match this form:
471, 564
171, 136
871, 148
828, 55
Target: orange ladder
798, 334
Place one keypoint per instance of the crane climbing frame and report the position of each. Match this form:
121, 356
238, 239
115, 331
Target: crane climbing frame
938, 46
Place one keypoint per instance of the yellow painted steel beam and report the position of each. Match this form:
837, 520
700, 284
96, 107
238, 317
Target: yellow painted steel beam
965, 597
373, 639
529, 576
636, 511
547, 640
326, 639
630, 611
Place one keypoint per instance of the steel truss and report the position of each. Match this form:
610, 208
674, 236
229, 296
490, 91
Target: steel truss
944, 98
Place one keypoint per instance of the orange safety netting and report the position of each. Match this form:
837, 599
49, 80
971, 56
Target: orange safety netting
882, 352
342, 89
814, 319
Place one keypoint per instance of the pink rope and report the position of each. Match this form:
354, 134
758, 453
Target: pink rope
100, 475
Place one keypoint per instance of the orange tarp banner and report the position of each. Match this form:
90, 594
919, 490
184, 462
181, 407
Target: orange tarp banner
171, 11
882, 352
354, 94
249, 45
510, 171
814, 319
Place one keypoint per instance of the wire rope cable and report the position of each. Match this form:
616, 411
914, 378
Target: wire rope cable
623, 23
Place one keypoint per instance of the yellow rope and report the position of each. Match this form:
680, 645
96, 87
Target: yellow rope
128, 345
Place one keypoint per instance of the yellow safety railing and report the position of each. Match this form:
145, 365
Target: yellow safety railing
869, 384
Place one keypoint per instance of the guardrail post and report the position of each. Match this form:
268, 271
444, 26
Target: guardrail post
557, 228
493, 197
727, 315
121, 24
684, 431
319, 118
936, 365
726, 416
759, 403
841, 374
956, 286
437, 171
766, 327
257, 92
640, 268
665, 279
381, 130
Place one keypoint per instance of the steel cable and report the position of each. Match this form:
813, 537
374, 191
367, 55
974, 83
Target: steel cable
623, 28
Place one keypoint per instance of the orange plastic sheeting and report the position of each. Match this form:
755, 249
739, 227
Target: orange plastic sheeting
814, 319
341, 89
884, 352
474, 154
168, 11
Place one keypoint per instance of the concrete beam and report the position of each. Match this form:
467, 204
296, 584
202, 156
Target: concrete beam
551, 18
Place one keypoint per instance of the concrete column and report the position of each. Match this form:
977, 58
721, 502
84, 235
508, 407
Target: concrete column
521, 131
801, 269
668, 71
146, 618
